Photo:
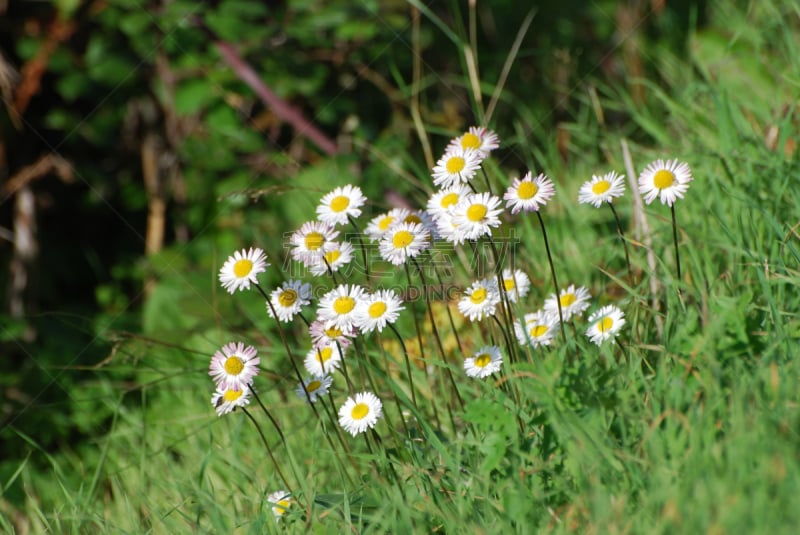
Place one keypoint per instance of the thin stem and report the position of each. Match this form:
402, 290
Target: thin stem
408, 364
675, 239
622, 238
488, 183
447, 308
269, 450
363, 249
555, 282
506, 304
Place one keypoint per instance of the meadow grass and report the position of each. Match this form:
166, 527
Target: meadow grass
688, 425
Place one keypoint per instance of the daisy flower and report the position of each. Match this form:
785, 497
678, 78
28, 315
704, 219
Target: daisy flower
281, 501
403, 241
486, 361
224, 400
602, 189
234, 366
315, 386
480, 300
378, 309
573, 302
529, 193
444, 201
476, 138
319, 362
605, 323
360, 413
423, 218
312, 240
476, 215
289, 299
516, 284
339, 305
341, 203
242, 268
337, 256
448, 229
325, 332
457, 166
539, 329
665, 180
378, 226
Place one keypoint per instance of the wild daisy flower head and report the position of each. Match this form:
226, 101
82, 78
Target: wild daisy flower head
316, 387
538, 330
340, 204
321, 361
360, 412
289, 299
476, 138
528, 193
339, 305
605, 324
337, 255
403, 241
241, 269
325, 332
457, 166
281, 501
380, 225
574, 301
477, 215
602, 189
234, 366
486, 361
312, 241
224, 400
666, 181
480, 300
378, 309
516, 284
445, 200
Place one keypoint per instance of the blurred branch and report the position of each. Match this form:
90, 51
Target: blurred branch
43, 166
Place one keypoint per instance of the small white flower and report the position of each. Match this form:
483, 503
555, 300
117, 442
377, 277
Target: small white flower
403, 241
602, 189
539, 329
477, 215
667, 181
281, 501
486, 361
325, 332
316, 388
378, 309
360, 413
444, 201
338, 255
322, 361
605, 324
224, 400
516, 283
380, 225
477, 138
573, 302
234, 366
241, 269
480, 300
341, 203
529, 193
289, 299
339, 305
457, 166
311, 241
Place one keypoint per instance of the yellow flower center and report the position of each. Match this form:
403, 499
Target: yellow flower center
600, 187
360, 411
509, 284
314, 241
340, 203
478, 296
483, 360
412, 218
376, 310
538, 331
455, 165
402, 239
527, 190
313, 386
567, 300
663, 179
470, 141
605, 324
233, 365
333, 332
324, 355
242, 267
344, 304
384, 223
449, 200
476, 212
232, 395
332, 256
287, 298
281, 506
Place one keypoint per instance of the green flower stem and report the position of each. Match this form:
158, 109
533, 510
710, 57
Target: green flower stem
677, 254
622, 238
269, 450
363, 249
408, 365
555, 282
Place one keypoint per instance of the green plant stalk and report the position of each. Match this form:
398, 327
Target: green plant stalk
269, 449
623, 240
555, 281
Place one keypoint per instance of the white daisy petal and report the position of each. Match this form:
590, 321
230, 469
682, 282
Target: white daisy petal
322, 361
666, 181
457, 166
480, 300
289, 299
378, 309
476, 138
516, 283
403, 241
337, 255
281, 501
602, 189
234, 366
241, 269
311, 241
342, 203
224, 400
477, 215
605, 324
360, 412
539, 329
339, 305
486, 361
314, 388
574, 301
528, 193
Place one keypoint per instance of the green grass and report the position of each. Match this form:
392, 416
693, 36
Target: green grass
695, 430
